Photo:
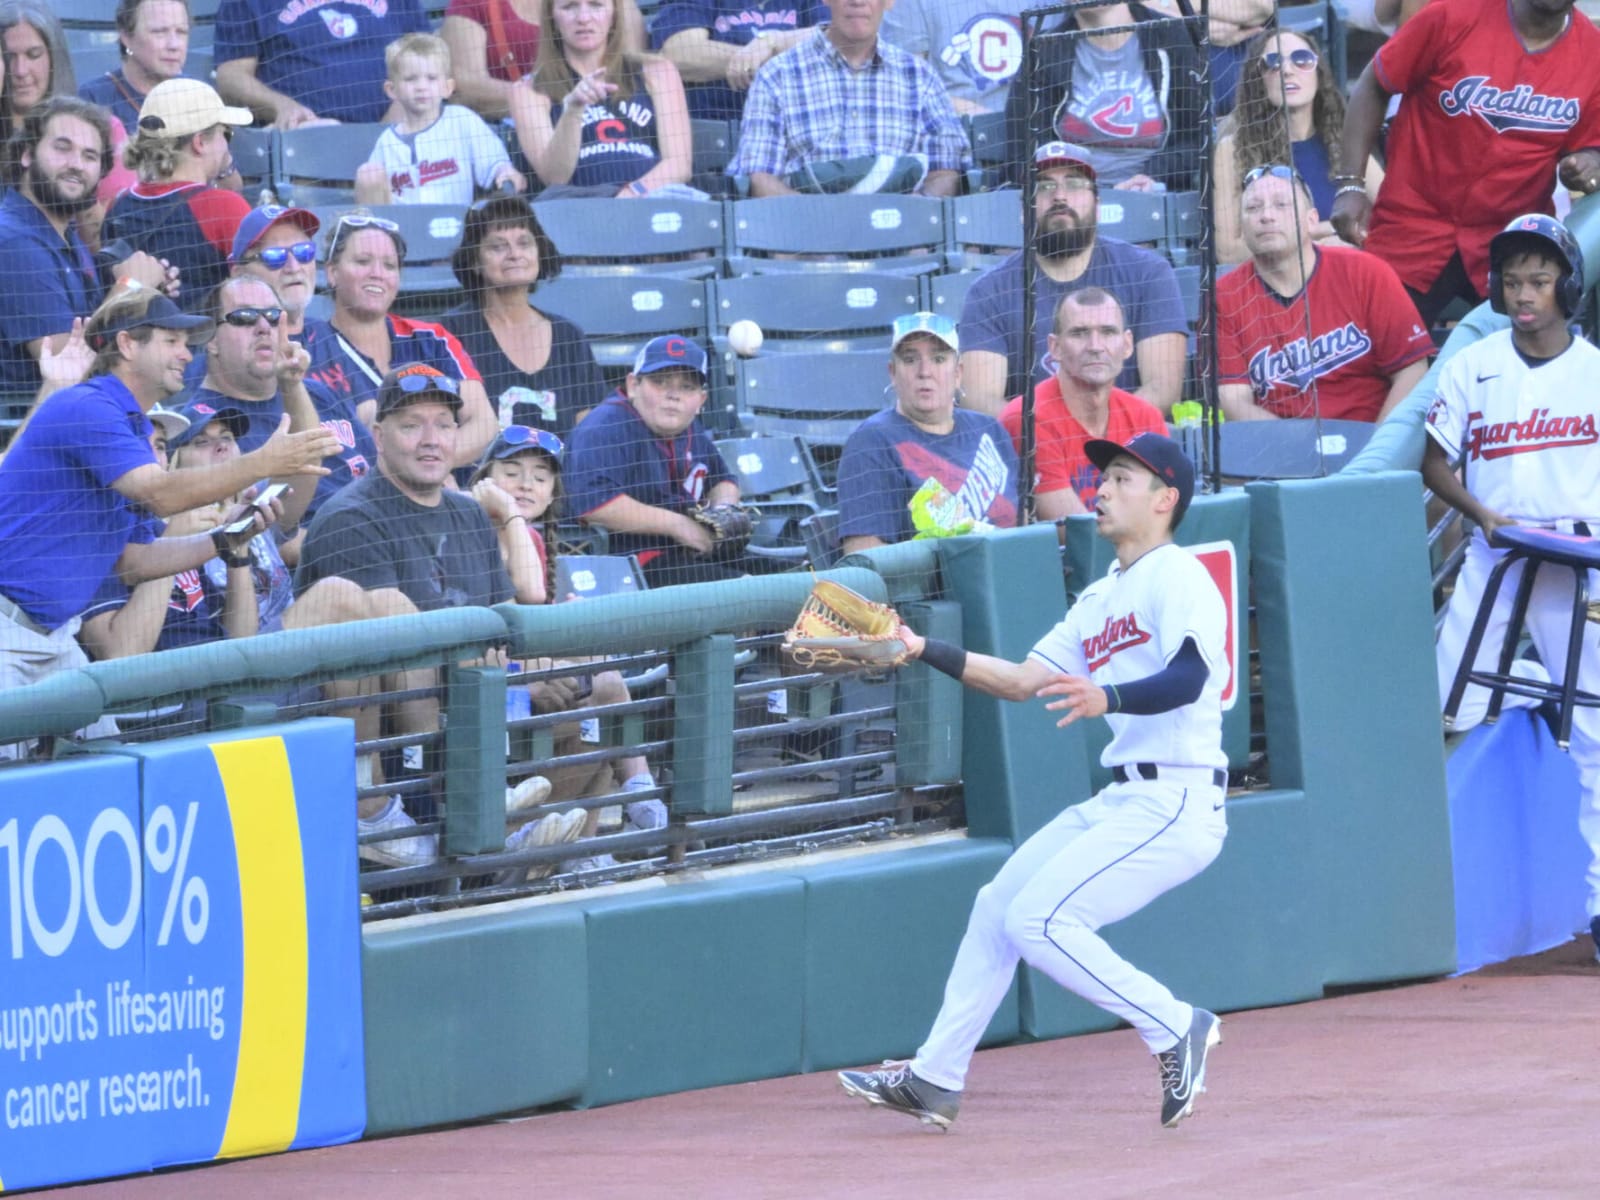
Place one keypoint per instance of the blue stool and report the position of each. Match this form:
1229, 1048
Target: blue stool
1536, 547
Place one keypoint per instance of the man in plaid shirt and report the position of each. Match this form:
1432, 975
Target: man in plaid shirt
842, 93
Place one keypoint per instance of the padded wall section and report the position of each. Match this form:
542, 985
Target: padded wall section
1020, 769
474, 1014
1240, 934
881, 933
1344, 619
693, 985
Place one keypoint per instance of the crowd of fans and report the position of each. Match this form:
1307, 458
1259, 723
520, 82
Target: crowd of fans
162, 322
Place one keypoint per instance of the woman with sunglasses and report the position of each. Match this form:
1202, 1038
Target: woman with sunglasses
538, 369
175, 212
595, 116
364, 341
1289, 110
520, 476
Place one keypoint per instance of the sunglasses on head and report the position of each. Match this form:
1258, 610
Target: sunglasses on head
364, 221
1276, 170
426, 381
245, 318
1301, 59
276, 257
525, 436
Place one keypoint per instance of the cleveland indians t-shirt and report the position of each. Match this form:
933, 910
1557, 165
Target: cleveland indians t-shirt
1113, 111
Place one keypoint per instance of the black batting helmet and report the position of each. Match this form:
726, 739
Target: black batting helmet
1537, 231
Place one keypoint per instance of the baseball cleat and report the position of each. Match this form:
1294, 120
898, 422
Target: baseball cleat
1183, 1068
895, 1087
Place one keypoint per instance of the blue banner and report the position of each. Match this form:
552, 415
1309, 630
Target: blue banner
179, 954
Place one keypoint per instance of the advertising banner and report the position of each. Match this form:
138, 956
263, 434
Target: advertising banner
179, 954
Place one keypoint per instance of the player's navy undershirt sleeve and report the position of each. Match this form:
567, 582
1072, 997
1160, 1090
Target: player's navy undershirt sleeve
1178, 683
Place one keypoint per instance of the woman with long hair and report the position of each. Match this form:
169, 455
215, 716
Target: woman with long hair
1289, 111
596, 116
537, 369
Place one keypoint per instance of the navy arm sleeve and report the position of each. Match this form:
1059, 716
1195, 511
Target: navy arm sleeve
1178, 683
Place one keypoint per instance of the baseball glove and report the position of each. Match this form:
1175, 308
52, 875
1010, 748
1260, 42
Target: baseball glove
839, 630
730, 527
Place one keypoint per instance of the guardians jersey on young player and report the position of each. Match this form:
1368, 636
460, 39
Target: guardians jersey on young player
1529, 434
1478, 137
1128, 625
1331, 350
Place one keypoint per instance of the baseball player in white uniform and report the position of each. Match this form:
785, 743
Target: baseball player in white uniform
1518, 410
1144, 647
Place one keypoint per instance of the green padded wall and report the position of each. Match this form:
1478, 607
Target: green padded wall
691, 985
881, 932
1010, 591
1345, 625
473, 1014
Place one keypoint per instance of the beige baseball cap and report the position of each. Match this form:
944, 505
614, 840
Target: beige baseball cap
177, 108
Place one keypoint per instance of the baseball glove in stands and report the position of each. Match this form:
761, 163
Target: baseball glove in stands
840, 630
730, 527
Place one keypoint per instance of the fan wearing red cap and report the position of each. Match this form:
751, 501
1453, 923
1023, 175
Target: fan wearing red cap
1145, 647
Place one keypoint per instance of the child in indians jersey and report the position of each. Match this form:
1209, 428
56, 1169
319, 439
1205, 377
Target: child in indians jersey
1146, 648
1331, 351
1518, 410
437, 153
1479, 133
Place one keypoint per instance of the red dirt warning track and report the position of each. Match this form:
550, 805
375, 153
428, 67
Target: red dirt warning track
1479, 1086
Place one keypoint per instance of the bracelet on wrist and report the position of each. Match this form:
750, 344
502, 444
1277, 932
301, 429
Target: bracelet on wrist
1361, 179
1349, 188
230, 557
513, 517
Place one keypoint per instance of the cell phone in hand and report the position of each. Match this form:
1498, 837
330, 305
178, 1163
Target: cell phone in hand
247, 522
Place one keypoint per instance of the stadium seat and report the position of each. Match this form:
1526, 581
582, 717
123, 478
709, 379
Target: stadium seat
987, 133
820, 398
317, 165
255, 153
821, 532
85, 14
94, 52
590, 575
1134, 216
984, 228
713, 146
774, 475
641, 237
431, 233
620, 314
1184, 230
1189, 288
850, 310
947, 293
898, 234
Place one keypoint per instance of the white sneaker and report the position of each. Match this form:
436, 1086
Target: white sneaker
552, 829
416, 851
644, 814
530, 793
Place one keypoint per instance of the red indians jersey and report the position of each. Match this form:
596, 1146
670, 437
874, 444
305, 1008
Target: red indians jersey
1479, 133
1527, 435
1129, 625
1332, 349
1058, 458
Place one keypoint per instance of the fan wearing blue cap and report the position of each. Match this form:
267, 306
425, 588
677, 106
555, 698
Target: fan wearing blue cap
926, 435
641, 460
1146, 647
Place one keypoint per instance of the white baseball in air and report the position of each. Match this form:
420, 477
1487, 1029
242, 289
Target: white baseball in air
745, 337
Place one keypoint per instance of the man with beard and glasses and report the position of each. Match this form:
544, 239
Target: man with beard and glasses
51, 277
995, 363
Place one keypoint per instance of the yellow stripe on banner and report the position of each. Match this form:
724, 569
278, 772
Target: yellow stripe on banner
272, 890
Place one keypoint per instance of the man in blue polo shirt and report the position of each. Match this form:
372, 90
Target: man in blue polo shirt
50, 277
78, 485
641, 461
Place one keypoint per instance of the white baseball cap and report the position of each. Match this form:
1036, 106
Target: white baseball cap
177, 108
